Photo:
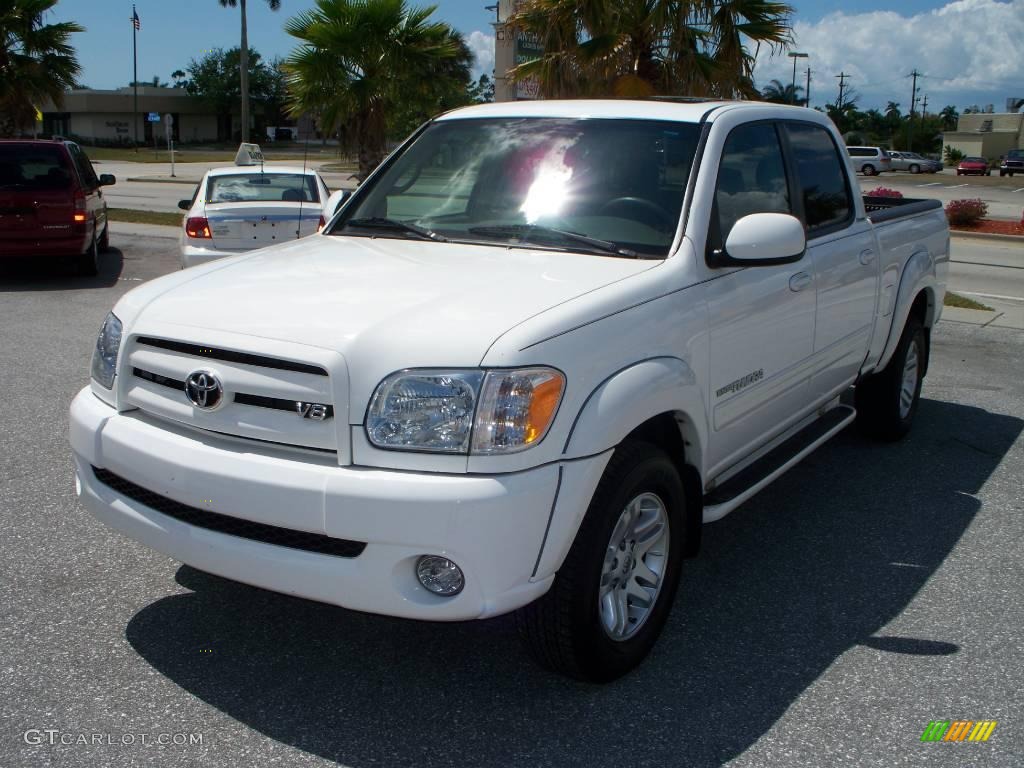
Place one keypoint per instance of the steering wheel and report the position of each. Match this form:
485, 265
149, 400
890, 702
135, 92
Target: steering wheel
650, 211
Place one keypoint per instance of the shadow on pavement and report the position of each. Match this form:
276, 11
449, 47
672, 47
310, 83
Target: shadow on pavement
58, 274
816, 564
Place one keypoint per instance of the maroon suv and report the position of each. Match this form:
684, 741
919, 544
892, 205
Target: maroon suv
51, 204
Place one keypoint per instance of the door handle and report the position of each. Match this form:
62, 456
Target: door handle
799, 281
867, 256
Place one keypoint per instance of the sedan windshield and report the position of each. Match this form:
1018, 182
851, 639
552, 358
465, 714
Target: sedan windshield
609, 187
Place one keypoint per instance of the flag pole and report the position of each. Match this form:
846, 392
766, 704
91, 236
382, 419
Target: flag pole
135, 78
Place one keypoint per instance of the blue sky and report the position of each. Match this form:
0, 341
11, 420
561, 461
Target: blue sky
969, 50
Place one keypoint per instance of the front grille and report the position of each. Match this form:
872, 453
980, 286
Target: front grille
231, 356
258, 401
232, 526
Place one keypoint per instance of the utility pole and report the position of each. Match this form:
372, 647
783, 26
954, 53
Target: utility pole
842, 85
924, 108
807, 90
910, 121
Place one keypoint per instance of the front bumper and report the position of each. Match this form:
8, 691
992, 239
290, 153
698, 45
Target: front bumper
493, 527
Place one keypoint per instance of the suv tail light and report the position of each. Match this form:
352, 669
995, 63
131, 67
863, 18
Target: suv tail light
81, 212
198, 227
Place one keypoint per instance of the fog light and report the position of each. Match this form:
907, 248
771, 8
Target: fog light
439, 575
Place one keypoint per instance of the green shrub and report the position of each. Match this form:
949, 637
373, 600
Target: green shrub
966, 212
952, 156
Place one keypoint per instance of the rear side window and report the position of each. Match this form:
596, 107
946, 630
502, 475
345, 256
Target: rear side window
85, 171
751, 177
821, 178
34, 167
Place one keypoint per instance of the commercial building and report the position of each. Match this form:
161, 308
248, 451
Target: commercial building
512, 47
987, 134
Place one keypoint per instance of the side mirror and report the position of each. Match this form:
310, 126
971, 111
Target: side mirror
763, 240
185, 204
335, 201
106, 179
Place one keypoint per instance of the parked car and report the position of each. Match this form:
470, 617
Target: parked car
976, 166
1012, 162
870, 160
519, 368
51, 204
913, 162
245, 206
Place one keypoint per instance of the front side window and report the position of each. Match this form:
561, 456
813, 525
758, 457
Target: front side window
751, 177
821, 176
535, 182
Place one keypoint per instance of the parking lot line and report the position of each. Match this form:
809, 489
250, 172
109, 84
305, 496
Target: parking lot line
1019, 190
933, 184
956, 186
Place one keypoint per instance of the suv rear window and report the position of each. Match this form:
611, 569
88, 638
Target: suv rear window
33, 166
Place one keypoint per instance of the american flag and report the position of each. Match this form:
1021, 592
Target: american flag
135, 19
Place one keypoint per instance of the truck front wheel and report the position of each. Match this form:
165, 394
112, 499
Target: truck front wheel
613, 593
887, 401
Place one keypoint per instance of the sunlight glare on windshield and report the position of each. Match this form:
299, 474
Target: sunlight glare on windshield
549, 191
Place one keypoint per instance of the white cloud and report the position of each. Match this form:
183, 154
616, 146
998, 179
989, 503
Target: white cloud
969, 51
482, 46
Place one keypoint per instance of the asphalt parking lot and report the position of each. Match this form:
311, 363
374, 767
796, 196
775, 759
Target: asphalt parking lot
826, 622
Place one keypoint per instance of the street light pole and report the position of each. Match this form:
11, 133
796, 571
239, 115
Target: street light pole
794, 56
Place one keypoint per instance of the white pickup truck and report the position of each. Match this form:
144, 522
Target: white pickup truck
523, 363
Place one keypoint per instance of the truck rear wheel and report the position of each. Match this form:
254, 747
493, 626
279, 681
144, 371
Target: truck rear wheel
887, 401
613, 593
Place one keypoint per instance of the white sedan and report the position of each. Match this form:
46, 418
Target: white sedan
246, 206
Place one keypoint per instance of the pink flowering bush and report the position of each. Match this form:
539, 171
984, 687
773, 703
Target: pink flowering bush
966, 212
884, 192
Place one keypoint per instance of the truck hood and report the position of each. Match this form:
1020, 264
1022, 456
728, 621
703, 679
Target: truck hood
384, 304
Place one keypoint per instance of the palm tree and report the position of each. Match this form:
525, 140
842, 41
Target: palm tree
360, 60
949, 117
243, 68
635, 48
37, 62
777, 93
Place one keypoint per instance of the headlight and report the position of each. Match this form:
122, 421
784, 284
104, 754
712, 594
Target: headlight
104, 357
424, 410
460, 411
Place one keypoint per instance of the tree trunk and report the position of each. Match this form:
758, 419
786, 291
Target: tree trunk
243, 65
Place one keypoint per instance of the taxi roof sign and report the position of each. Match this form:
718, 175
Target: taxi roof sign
249, 154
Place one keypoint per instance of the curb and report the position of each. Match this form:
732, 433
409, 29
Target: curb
986, 236
162, 180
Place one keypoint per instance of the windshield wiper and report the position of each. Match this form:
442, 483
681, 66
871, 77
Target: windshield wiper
534, 232
379, 222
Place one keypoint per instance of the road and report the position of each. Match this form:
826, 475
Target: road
164, 195
992, 272
826, 622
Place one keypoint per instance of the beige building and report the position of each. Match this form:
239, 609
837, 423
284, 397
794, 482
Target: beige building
986, 134
107, 116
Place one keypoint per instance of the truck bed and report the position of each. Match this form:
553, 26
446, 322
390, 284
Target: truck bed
885, 209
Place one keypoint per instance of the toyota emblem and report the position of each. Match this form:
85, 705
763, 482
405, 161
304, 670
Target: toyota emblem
204, 390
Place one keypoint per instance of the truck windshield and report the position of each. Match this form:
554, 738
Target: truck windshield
610, 187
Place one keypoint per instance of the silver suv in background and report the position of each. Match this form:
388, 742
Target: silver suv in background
869, 160
913, 162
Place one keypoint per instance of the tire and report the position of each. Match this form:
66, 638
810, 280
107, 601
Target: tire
104, 244
1002, 173
958, 173
915, 168
868, 170
88, 263
573, 628
887, 401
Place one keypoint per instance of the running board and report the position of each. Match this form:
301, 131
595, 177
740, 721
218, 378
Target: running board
774, 464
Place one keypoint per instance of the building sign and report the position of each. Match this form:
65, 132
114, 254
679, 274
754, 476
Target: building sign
514, 47
119, 126
153, 117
